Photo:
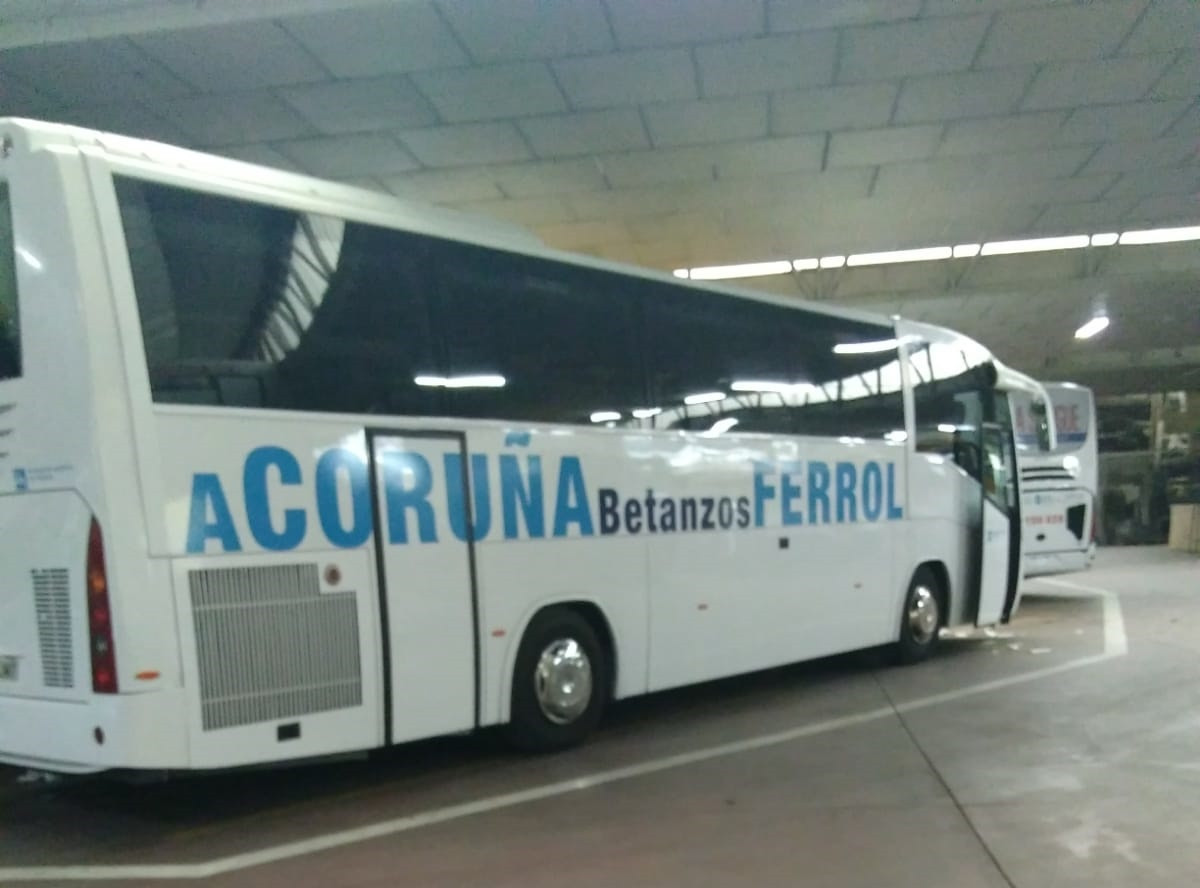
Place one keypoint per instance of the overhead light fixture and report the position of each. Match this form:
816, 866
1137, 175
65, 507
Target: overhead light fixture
896, 436
646, 412
833, 261
1161, 235
720, 427
1105, 240
924, 254
1096, 325
864, 348
605, 416
806, 264
767, 386
966, 251
682, 273
1035, 245
704, 398
486, 380
749, 269
947, 429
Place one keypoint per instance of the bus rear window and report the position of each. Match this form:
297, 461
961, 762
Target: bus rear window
10, 329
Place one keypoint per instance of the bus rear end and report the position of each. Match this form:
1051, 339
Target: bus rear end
73, 591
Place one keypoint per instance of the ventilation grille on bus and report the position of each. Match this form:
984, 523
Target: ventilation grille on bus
271, 645
1048, 473
52, 603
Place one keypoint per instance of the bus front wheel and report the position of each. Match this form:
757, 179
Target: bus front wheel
560, 682
922, 618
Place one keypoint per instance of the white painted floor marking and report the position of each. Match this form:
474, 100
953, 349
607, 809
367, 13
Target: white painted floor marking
1115, 645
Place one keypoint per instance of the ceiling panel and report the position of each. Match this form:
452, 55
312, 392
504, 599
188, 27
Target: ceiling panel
889, 145
713, 120
907, 49
665, 165
801, 15
1086, 217
549, 177
491, 91
384, 39
770, 157
1108, 123
1094, 83
767, 63
1167, 24
247, 55
627, 78
998, 135
234, 119
1060, 32
963, 94
1146, 183
97, 72
1136, 154
349, 106
586, 132
1181, 79
447, 186
833, 108
995, 171
339, 158
502, 30
466, 144
638, 23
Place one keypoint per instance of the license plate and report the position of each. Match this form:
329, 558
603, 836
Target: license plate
8, 668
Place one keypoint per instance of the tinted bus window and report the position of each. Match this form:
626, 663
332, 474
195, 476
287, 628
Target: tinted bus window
10, 328
254, 306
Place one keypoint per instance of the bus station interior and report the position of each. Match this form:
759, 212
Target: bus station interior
1011, 169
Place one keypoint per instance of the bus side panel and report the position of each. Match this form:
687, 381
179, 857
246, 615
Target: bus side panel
279, 627
797, 570
578, 548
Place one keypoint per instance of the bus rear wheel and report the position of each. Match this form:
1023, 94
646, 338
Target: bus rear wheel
921, 619
560, 682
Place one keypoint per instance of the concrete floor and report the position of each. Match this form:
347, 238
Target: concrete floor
1039, 755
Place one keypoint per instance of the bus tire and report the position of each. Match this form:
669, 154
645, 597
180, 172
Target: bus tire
560, 682
921, 618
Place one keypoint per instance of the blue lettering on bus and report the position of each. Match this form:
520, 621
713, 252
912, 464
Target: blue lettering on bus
207, 496
404, 497
334, 465
789, 493
259, 463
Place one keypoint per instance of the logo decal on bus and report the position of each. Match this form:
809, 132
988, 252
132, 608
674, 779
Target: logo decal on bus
532, 502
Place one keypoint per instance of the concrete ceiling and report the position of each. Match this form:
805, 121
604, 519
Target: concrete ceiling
678, 133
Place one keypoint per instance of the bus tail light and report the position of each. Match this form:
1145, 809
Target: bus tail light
100, 632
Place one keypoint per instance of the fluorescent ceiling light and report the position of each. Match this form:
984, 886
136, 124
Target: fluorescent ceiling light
924, 254
947, 428
806, 264
897, 436
681, 273
1161, 235
1105, 240
756, 385
833, 261
864, 348
966, 251
749, 269
721, 426
487, 380
646, 412
31, 260
1092, 327
704, 398
1035, 245
605, 416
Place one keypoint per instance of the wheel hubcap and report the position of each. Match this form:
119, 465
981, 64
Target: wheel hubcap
923, 615
563, 681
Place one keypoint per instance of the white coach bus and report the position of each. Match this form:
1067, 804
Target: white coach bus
1060, 482
290, 470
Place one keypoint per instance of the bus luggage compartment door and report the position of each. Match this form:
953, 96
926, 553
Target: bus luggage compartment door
425, 574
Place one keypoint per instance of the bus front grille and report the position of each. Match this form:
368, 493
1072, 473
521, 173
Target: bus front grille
52, 604
271, 645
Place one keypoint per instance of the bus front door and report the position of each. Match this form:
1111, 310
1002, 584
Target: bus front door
1001, 526
424, 564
